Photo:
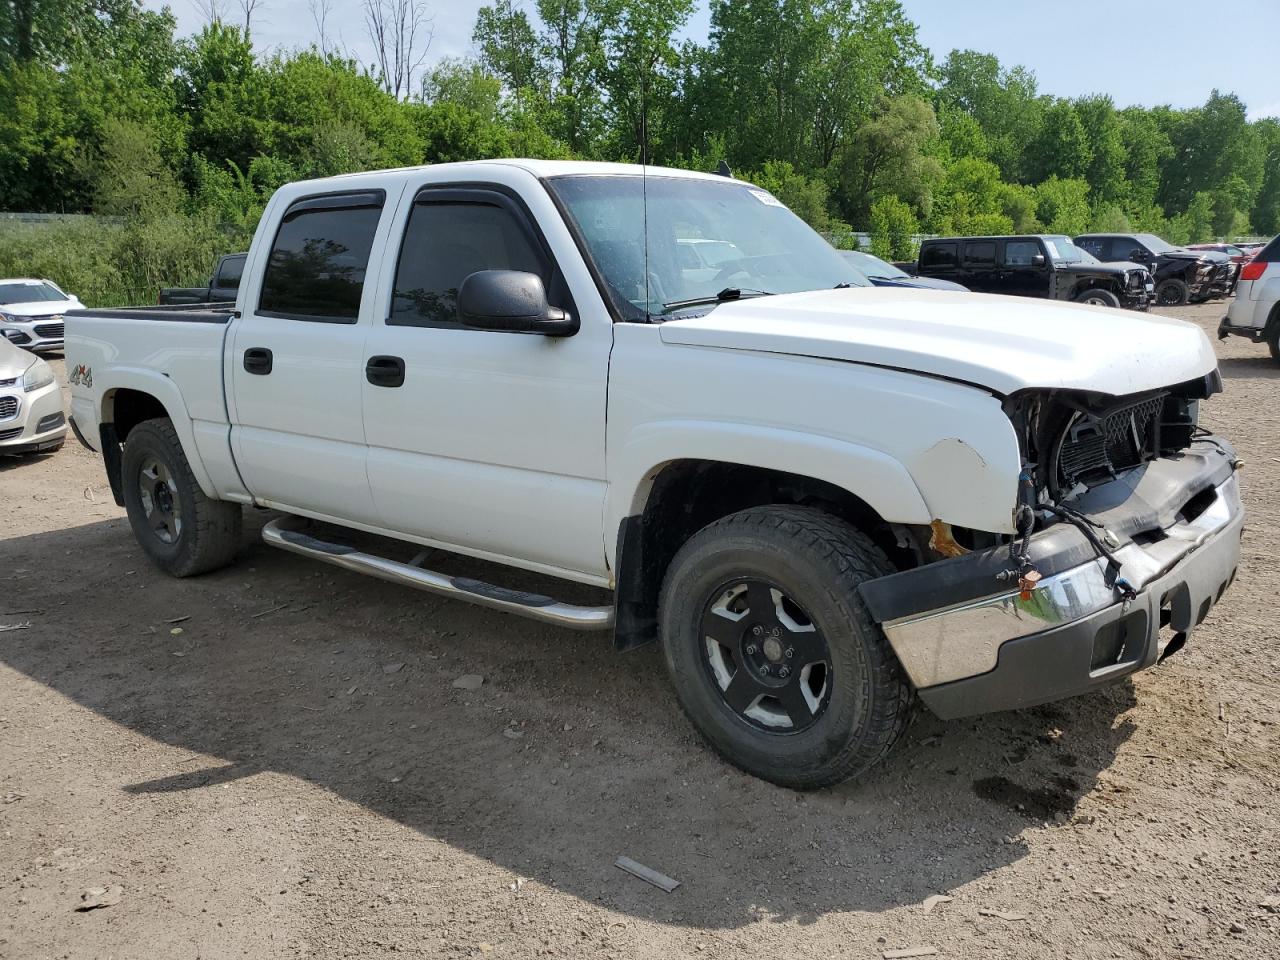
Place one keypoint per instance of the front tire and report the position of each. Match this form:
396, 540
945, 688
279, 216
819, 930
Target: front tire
773, 655
183, 531
1098, 297
1172, 293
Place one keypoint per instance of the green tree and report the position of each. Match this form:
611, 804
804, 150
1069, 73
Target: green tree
1062, 205
890, 154
1003, 102
893, 225
1061, 147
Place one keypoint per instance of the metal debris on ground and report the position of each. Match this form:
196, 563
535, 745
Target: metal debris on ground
469, 681
1003, 915
647, 874
935, 900
6, 627
96, 897
906, 953
179, 619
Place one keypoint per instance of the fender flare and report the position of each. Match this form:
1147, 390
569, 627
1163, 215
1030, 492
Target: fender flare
880, 480
170, 397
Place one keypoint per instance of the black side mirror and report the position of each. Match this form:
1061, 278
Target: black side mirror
511, 301
1038, 260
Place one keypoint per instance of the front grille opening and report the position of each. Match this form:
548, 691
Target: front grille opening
1198, 504
1120, 642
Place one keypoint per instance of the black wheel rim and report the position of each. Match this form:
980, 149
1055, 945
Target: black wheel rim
765, 657
158, 493
1169, 295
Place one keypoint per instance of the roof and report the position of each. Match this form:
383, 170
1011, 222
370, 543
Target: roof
539, 168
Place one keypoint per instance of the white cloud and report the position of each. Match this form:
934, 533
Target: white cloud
1271, 109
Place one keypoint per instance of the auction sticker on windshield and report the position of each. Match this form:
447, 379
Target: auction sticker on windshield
768, 198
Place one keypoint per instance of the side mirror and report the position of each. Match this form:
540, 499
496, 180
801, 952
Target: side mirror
511, 301
1038, 259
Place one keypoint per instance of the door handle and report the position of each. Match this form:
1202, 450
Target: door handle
385, 371
258, 360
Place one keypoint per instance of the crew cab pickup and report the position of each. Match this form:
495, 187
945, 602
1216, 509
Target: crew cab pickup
221, 288
1181, 275
1050, 267
826, 500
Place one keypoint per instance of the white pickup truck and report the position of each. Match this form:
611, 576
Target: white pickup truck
827, 500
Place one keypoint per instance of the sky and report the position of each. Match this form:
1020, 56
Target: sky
1141, 54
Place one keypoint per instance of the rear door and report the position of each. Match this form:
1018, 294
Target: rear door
941, 259
492, 442
296, 367
978, 266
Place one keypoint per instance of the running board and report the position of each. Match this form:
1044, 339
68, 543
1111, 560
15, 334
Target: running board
280, 533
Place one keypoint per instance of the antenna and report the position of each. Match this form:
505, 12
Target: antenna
644, 183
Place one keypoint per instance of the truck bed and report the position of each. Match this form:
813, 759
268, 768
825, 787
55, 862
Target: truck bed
171, 313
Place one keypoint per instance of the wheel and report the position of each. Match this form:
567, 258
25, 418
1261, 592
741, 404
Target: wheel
1273, 341
1172, 293
182, 530
1097, 297
772, 653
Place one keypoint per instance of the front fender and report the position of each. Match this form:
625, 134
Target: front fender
880, 480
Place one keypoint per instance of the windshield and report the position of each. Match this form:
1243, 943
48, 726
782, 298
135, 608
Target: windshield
39, 292
705, 237
1154, 243
1062, 250
873, 266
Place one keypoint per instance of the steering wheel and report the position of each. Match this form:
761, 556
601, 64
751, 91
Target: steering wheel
728, 273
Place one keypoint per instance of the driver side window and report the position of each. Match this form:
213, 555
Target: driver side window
444, 243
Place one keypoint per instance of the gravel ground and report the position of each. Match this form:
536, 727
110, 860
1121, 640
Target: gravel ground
273, 761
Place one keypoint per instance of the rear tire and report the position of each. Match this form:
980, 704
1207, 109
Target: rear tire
1273, 341
1099, 298
183, 531
1172, 293
773, 655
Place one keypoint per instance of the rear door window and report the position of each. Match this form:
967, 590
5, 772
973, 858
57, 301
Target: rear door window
317, 265
980, 254
939, 255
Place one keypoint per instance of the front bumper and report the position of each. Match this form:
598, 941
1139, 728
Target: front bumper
42, 335
38, 423
971, 645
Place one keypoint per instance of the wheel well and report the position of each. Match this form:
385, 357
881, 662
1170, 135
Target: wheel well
129, 408
690, 494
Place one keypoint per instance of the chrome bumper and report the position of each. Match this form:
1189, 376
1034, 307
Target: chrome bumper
994, 651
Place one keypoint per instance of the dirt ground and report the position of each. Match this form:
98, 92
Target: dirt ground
272, 761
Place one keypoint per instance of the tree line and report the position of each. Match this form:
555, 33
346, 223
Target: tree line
834, 105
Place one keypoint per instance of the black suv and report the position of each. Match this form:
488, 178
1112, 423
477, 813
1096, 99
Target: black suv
1182, 275
1035, 266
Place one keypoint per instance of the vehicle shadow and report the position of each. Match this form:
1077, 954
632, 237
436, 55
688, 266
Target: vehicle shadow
1249, 368
568, 755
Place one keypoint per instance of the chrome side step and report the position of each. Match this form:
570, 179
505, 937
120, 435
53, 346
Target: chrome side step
281, 533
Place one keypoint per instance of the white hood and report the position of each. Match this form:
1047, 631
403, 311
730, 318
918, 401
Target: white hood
1001, 343
39, 308
13, 362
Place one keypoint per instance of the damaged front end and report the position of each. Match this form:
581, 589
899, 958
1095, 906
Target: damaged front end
1128, 523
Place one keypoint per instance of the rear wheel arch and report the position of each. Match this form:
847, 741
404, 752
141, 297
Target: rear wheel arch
124, 408
684, 496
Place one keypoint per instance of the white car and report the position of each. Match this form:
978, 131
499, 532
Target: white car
825, 498
32, 418
31, 313
1255, 311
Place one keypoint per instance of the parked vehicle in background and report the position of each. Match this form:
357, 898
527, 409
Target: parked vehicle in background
825, 500
1237, 254
32, 419
1047, 266
221, 288
884, 274
31, 313
1255, 312
1181, 275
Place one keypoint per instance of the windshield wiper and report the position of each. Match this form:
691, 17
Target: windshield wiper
724, 296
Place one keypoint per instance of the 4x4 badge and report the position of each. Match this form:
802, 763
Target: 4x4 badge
82, 375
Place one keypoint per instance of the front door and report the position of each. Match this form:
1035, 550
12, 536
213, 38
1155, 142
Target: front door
1026, 269
492, 442
296, 365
